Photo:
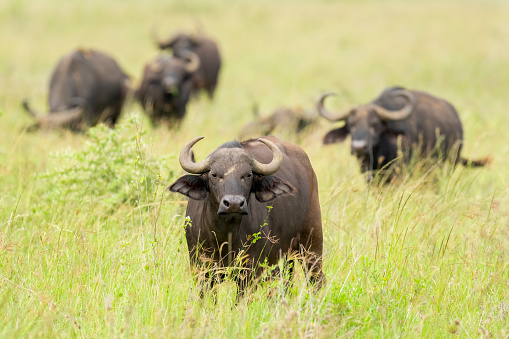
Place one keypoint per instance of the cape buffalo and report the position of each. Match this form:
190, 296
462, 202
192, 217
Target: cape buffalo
282, 120
166, 86
210, 60
252, 205
87, 86
399, 119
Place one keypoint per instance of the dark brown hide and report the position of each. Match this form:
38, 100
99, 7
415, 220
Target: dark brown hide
433, 126
293, 224
165, 88
206, 77
86, 79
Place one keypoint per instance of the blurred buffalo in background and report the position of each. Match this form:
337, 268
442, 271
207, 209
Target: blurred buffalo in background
285, 121
399, 120
206, 76
87, 87
166, 86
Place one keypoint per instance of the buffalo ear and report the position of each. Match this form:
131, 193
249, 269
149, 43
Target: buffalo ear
336, 135
193, 186
268, 187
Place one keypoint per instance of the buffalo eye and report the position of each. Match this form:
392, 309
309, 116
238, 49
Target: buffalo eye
247, 176
216, 176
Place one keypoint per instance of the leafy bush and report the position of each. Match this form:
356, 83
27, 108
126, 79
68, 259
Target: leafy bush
114, 168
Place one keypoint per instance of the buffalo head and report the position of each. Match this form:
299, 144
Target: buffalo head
228, 176
166, 86
366, 123
180, 43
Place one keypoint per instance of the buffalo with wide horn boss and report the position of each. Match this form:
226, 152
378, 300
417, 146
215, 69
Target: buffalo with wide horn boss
399, 120
206, 76
86, 87
166, 86
265, 187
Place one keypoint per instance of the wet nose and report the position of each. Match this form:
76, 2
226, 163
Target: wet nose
169, 83
233, 204
359, 146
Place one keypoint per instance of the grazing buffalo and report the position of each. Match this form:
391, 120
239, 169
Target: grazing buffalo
251, 203
210, 60
399, 119
166, 86
282, 120
86, 87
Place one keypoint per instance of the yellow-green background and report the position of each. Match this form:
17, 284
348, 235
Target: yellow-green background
423, 258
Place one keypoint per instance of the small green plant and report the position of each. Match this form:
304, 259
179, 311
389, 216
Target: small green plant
188, 222
257, 236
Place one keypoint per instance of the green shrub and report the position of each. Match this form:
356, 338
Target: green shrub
115, 167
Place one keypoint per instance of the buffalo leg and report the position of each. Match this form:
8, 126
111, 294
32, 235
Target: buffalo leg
313, 264
210, 91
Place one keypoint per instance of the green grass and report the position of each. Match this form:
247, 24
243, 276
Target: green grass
100, 252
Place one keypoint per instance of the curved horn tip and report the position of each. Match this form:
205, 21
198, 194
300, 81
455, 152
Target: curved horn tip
274, 165
193, 63
326, 114
185, 150
195, 140
402, 113
186, 161
323, 96
326, 94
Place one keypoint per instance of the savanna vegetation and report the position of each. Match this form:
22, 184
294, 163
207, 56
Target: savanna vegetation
92, 244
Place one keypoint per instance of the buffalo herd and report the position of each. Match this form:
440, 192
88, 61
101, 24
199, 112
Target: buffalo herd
254, 202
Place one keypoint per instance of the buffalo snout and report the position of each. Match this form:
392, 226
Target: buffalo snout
233, 204
359, 147
170, 83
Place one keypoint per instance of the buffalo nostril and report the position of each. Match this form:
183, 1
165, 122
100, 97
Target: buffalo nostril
359, 145
226, 203
241, 203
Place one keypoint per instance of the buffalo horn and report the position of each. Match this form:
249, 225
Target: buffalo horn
401, 114
188, 164
195, 38
274, 165
193, 63
326, 114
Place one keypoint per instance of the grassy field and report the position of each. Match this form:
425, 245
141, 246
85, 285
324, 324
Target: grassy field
91, 244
